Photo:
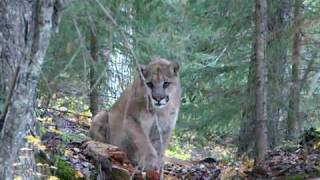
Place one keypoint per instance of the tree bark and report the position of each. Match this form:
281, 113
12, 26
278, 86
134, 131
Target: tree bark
94, 93
25, 30
294, 96
261, 136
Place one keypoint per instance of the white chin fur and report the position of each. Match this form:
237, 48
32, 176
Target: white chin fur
159, 106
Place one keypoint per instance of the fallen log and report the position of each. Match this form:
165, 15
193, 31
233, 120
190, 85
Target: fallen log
113, 162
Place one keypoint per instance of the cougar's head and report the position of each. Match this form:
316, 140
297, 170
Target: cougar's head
162, 80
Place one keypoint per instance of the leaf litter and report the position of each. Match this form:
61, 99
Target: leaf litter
67, 138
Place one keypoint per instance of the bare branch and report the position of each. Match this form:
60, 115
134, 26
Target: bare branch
307, 72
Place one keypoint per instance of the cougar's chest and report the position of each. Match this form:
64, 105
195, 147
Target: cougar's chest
167, 119
146, 122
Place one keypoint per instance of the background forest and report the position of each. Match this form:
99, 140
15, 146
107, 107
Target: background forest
250, 83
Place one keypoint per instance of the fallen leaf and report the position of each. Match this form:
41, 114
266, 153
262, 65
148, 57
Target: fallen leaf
68, 152
78, 174
53, 178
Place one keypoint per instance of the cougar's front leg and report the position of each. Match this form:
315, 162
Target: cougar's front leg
147, 153
160, 144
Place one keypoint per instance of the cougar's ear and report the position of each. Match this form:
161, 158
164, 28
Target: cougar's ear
144, 70
175, 68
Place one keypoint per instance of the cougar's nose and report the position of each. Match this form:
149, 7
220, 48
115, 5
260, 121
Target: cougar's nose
158, 97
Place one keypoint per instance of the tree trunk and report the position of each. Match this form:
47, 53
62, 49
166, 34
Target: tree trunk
94, 93
294, 97
277, 48
25, 30
261, 136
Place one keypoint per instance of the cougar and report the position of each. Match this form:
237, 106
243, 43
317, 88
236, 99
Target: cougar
142, 120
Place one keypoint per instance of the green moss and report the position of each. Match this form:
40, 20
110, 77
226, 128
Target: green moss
42, 131
65, 171
297, 177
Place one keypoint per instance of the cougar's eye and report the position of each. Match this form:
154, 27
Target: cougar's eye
166, 84
149, 84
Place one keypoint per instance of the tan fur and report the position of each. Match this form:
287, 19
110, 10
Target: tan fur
131, 122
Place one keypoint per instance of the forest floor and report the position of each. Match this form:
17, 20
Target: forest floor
64, 144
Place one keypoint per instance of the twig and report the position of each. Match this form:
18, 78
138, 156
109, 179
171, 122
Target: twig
307, 72
75, 54
97, 82
126, 41
161, 145
85, 55
127, 45
46, 81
